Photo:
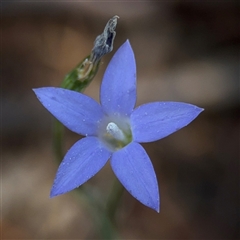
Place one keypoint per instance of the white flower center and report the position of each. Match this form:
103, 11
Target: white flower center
113, 129
115, 132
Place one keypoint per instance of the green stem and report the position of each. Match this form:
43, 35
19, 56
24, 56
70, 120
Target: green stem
108, 220
77, 80
58, 133
114, 200
106, 228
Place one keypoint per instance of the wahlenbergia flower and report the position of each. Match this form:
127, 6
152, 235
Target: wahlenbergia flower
113, 130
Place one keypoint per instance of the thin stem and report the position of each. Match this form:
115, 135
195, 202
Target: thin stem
58, 134
106, 228
77, 80
108, 219
114, 200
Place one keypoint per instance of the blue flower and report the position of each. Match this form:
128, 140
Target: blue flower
113, 130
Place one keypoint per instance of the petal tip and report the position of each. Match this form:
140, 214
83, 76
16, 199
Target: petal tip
127, 45
199, 110
42, 90
53, 193
127, 42
35, 90
155, 206
157, 209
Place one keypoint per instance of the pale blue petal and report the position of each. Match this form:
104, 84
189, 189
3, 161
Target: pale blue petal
153, 121
118, 89
85, 158
134, 170
76, 111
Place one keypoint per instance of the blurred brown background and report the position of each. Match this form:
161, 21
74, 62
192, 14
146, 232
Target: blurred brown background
185, 51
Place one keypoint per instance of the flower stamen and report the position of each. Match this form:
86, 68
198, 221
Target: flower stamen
113, 129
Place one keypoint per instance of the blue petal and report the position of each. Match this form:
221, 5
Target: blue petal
85, 158
153, 121
118, 89
134, 170
76, 111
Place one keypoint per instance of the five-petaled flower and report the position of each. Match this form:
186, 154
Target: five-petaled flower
113, 130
